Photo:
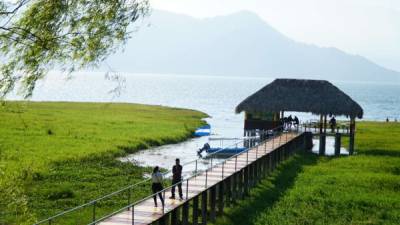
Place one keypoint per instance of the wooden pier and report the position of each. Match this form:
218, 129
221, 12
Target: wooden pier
208, 192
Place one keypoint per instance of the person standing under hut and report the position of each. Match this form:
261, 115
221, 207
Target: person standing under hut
289, 122
176, 179
157, 178
296, 122
332, 122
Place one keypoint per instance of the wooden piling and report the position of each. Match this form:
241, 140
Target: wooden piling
174, 216
308, 143
226, 187
221, 196
185, 213
235, 187
241, 184
195, 212
213, 201
204, 207
246, 181
164, 220
338, 143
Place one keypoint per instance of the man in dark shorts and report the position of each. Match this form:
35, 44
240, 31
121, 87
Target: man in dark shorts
176, 178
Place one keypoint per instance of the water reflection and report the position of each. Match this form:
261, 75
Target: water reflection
164, 156
330, 146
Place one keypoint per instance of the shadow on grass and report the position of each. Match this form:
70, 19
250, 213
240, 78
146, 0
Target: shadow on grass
381, 152
269, 191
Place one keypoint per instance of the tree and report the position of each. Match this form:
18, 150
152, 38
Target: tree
39, 35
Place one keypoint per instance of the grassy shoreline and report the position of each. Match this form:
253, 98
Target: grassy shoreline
308, 189
57, 155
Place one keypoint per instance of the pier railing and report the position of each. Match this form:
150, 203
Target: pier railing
102, 208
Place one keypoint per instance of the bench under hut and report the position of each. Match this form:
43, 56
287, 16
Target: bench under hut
265, 108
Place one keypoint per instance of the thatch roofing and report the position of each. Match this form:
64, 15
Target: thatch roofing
315, 96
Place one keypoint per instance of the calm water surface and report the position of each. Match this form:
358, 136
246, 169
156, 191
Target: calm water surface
216, 96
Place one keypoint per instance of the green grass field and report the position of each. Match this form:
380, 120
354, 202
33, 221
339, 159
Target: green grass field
54, 156
307, 189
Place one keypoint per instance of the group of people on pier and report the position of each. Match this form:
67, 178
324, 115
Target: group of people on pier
290, 121
157, 179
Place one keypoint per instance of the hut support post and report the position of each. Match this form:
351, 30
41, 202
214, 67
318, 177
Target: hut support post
338, 143
352, 129
320, 123
322, 143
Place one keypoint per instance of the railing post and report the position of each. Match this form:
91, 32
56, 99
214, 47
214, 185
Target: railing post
195, 172
265, 166
257, 152
265, 146
163, 205
94, 212
187, 189
235, 163
133, 214
223, 166
206, 177
129, 197
49, 221
273, 140
247, 157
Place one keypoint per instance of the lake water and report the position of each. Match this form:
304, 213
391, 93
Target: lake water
216, 96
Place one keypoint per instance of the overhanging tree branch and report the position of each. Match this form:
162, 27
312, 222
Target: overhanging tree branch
39, 34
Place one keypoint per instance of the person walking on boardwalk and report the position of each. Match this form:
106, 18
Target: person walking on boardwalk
157, 178
176, 179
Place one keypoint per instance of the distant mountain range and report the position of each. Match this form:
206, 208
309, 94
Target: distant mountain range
240, 44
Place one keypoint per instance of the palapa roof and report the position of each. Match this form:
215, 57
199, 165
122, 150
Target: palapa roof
314, 96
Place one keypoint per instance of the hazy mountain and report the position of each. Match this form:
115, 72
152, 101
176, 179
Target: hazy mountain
239, 44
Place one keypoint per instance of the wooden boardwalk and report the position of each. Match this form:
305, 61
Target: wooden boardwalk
146, 213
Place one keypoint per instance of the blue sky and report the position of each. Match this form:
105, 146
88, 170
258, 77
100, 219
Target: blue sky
370, 28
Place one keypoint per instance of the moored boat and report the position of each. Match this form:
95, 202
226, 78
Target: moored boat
203, 131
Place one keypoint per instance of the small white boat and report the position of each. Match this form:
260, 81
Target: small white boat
203, 131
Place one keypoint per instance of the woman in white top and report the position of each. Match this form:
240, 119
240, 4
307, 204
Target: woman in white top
157, 178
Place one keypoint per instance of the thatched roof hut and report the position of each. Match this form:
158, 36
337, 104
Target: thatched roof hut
314, 96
